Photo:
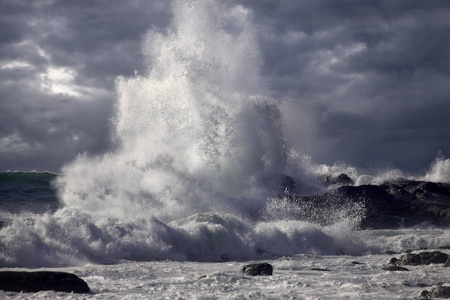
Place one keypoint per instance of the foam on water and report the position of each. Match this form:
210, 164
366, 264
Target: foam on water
70, 237
197, 165
439, 171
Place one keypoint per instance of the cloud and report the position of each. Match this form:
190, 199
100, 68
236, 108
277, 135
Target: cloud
374, 74
360, 81
59, 61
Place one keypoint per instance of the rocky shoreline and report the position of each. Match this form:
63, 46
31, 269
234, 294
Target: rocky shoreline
32, 282
440, 290
35, 281
390, 205
400, 203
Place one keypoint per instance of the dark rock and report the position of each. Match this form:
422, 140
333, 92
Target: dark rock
321, 270
423, 258
258, 269
395, 268
425, 294
382, 211
440, 292
393, 261
447, 263
31, 282
427, 201
391, 205
341, 179
421, 285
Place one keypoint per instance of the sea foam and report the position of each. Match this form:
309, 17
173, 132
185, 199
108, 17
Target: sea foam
196, 165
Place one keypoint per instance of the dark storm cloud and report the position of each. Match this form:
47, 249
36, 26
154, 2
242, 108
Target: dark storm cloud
376, 74
363, 81
92, 42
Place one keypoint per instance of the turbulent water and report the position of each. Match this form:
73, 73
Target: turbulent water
191, 189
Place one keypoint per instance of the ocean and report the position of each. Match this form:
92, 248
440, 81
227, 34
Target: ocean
199, 182
201, 256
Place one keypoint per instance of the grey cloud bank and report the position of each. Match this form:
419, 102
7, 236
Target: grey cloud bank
365, 82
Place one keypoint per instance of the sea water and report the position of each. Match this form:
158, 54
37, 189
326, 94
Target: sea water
190, 190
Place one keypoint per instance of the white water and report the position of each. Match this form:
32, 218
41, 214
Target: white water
199, 132
197, 165
348, 278
193, 177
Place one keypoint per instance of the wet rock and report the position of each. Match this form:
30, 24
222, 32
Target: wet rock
438, 292
391, 205
395, 268
427, 201
393, 261
421, 285
425, 294
382, 211
341, 179
259, 269
423, 258
31, 282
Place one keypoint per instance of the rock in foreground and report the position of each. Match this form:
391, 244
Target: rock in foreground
31, 282
258, 269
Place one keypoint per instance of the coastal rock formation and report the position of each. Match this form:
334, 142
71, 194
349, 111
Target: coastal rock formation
423, 258
394, 268
31, 282
260, 269
341, 179
437, 292
394, 204
440, 292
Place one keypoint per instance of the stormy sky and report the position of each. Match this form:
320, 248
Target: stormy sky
365, 82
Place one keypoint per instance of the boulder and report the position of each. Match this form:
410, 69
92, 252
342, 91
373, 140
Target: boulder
423, 258
31, 282
382, 211
426, 201
437, 292
391, 205
395, 268
440, 292
259, 269
341, 179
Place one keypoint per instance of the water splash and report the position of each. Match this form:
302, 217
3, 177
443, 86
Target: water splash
439, 170
197, 167
199, 132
